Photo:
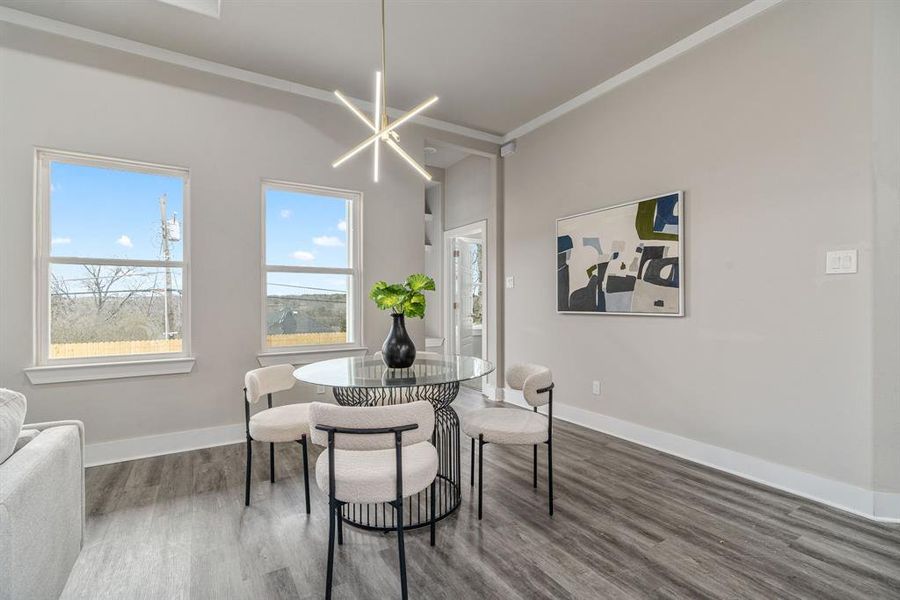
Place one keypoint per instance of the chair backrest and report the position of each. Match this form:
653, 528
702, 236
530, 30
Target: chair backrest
371, 417
268, 380
530, 378
419, 354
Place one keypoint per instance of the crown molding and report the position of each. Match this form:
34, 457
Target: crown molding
47, 25
712, 30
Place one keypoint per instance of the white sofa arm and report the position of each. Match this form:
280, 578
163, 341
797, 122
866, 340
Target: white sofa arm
80, 426
42, 511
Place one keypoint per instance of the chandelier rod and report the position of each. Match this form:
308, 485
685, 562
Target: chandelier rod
381, 119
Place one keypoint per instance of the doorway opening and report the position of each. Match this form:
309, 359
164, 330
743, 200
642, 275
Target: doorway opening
466, 311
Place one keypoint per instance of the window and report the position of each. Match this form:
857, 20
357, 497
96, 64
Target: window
311, 266
112, 259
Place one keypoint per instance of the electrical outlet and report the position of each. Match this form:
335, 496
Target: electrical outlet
595, 388
320, 389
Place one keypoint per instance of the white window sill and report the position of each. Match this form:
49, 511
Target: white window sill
64, 373
305, 357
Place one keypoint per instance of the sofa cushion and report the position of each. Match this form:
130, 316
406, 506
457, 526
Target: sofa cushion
12, 415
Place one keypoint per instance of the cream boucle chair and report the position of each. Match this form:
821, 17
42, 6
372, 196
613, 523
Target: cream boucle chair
374, 454
510, 426
288, 423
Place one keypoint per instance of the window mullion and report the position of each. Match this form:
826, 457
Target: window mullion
114, 262
313, 270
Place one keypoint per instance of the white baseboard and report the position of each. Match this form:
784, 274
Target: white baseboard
879, 506
104, 453
887, 507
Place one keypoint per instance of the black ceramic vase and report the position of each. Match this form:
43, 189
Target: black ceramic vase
398, 351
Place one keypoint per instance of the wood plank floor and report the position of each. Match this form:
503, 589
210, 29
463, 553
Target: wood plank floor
630, 522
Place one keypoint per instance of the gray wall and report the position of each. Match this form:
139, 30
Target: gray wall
886, 352
768, 129
434, 263
467, 191
67, 95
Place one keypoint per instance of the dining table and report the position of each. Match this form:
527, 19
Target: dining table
366, 381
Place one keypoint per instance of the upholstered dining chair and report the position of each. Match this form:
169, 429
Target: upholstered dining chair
374, 454
520, 427
288, 423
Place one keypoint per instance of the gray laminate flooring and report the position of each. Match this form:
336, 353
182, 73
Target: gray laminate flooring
630, 522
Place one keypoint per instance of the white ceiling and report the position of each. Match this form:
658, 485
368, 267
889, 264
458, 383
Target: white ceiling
495, 64
443, 156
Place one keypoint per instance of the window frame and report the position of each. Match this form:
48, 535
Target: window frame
355, 329
44, 259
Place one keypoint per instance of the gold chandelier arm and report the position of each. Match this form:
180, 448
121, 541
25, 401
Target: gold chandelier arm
396, 148
355, 110
362, 116
371, 139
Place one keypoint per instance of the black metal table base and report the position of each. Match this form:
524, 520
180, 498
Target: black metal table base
417, 508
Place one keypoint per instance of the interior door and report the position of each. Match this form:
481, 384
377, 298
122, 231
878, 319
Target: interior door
468, 296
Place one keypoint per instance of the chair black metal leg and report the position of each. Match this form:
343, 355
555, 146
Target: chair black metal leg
404, 593
330, 571
247, 475
340, 524
272, 463
534, 482
472, 470
433, 511
550, 473
305, 473
480, 471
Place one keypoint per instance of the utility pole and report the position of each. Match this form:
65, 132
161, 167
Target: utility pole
167, 298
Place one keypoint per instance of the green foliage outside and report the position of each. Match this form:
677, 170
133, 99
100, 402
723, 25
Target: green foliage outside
110, 304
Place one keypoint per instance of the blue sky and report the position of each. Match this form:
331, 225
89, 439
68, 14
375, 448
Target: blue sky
306, 230
106, 213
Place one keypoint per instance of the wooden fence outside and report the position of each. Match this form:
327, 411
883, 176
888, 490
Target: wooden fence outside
307, 339
89, 349
125, 347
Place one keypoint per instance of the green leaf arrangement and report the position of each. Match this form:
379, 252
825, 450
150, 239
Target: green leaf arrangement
403, 298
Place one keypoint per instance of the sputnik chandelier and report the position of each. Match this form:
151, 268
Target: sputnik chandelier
383, 131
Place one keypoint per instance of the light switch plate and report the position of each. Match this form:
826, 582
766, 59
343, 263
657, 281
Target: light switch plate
510, 283
840, 261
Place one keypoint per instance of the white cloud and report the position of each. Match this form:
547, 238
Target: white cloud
304, 256
327, 240
342, 225
285, 213
125, 241
61, 241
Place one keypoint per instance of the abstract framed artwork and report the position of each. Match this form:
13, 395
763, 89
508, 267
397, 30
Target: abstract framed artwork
623, 260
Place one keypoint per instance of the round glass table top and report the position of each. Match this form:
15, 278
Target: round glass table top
368, 372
